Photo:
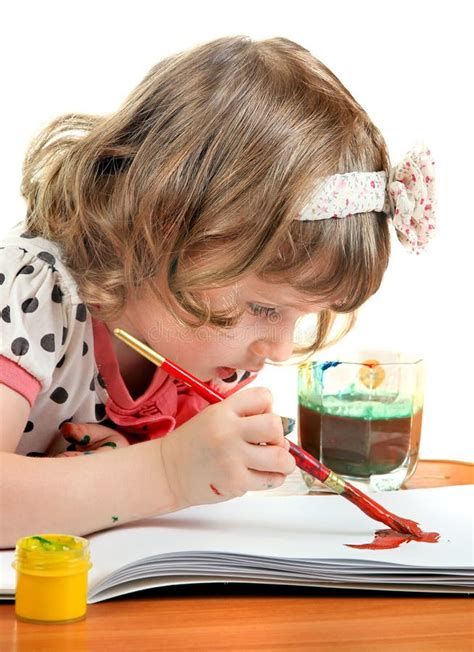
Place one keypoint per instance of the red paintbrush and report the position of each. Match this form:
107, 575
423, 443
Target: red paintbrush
303, 459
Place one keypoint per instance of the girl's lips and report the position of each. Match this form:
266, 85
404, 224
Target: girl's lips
228, 372
225, 372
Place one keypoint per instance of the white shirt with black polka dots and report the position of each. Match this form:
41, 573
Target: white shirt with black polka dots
47, 330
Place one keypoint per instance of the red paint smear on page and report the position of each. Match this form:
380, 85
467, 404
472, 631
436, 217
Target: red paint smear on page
385, 539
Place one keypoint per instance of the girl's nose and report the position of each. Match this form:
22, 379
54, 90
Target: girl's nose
278, 349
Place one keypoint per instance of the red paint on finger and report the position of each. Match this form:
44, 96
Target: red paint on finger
385, 539
68, 429
215, 490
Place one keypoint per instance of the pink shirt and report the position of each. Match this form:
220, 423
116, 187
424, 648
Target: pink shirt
165, 405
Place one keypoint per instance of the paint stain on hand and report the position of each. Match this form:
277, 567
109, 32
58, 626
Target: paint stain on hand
114, 519
215, 490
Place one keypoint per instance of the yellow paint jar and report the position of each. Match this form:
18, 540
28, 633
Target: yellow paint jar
51, 578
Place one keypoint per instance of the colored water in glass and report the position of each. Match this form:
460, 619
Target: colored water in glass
368, 434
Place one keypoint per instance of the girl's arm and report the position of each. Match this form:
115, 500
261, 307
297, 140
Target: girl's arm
214, 456
82, 494
76, 495
15, 410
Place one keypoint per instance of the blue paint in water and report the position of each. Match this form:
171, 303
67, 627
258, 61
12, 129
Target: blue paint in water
321, 367
327, 365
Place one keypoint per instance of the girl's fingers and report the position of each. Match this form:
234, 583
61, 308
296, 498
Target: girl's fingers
270, 459
92, 436
76, 453
258, 481
91, 431
257, 400
264, 428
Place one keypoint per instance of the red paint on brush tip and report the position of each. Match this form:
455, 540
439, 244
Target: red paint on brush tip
385, 539
215, 490
379, 513
366, 504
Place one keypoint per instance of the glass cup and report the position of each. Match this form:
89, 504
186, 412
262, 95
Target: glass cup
361, 416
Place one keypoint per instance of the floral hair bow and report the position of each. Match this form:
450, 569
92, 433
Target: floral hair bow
407, 197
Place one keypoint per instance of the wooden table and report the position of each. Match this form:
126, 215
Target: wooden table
234, 617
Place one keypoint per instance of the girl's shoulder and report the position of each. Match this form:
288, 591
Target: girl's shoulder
41, 314
35, 261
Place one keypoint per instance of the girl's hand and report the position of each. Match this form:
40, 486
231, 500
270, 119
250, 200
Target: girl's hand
216, 455
88, 438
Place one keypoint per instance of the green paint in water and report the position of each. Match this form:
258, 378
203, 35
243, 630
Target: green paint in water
354, 402
357, 405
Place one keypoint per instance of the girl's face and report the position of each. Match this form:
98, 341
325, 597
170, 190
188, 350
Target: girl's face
264, 332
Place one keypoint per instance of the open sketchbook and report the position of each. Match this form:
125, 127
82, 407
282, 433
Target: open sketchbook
294, 540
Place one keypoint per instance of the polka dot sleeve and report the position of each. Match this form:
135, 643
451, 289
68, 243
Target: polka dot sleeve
34, 314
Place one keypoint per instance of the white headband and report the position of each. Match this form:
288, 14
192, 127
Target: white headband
408, 197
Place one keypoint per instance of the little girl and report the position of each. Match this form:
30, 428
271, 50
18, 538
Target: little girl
199, 218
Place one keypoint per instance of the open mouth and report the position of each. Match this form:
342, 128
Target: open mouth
229, 374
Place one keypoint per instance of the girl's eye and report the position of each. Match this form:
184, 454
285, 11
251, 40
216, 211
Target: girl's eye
257, 309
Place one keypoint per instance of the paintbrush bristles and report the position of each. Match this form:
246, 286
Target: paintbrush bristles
406, 526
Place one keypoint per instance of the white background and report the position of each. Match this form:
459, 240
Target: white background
408, 63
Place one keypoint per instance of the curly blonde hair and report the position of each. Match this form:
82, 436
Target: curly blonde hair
195, 181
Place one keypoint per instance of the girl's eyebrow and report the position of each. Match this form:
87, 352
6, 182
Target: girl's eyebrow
296, 305
304, 306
